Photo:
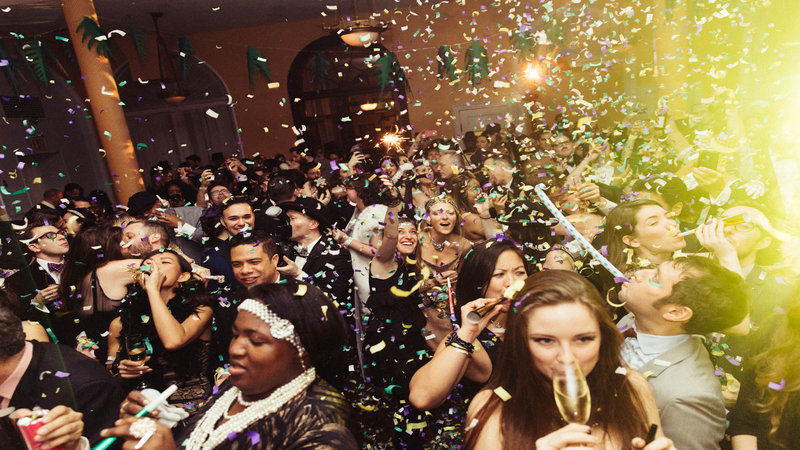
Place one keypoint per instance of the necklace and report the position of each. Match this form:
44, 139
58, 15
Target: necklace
437, 246
207, 436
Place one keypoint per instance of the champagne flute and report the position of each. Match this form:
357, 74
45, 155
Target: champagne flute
136, 347
572, 394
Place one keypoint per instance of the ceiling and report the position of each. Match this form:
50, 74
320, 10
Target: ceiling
29, 17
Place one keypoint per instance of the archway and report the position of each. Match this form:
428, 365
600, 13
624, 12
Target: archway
337, 96
202, 124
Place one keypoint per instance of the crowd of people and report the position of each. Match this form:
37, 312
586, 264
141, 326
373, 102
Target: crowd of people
414, 295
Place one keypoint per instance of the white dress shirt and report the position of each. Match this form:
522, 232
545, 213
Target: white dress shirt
43, 264
638, 351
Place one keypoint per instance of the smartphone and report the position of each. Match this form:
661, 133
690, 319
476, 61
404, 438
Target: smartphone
708, 159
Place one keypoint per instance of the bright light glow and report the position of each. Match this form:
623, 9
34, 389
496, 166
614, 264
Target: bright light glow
368, 106
361, 38
392, 140
534, 72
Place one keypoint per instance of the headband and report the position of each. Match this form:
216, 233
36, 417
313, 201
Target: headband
279, 328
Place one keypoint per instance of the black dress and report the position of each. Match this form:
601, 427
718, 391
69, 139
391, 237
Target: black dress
315, 419
394, 349
188, 367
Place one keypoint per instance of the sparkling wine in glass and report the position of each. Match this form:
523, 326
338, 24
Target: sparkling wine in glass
136, 347
572, 394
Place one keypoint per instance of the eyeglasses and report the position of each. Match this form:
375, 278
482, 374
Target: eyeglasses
221, 193
744, 227
52, 235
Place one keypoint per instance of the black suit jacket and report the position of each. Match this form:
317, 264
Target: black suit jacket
59, 375
329, 268
27, 281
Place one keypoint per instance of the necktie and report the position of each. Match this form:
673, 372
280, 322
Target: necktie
55, 267
302, 252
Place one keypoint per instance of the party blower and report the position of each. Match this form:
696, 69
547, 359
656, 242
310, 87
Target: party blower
105, 443
728, 221
476, 315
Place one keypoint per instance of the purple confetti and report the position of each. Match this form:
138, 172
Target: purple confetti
60, 374
255, 438
777, 386
621, 280
232, 435
733, 361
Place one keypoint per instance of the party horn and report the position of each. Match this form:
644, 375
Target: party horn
105, 443
476, 315
728, 221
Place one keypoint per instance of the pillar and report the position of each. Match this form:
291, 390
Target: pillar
109, 119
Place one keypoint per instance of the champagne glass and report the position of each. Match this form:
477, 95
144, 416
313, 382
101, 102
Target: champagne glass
572, 394
136, 346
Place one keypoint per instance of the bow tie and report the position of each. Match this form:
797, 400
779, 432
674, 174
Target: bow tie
302, 252
629, 332
55, 267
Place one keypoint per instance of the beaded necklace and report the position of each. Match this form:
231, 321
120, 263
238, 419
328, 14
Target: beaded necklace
207, 435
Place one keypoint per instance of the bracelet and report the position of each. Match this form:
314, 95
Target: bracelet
459, 344
348, 242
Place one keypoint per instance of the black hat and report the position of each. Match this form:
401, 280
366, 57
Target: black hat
311, 208
141, 202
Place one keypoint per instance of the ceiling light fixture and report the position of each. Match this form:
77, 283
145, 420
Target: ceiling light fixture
357, 32
171, 90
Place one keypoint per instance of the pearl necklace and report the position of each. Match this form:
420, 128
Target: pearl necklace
207, 436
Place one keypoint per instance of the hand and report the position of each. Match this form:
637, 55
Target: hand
62, 427
588, 192
754, 189
661, 443
572, 435
442, 278
47, 295
153, 279
498, 202
709, 179
88, 351
206, 177
133, 369
324, 196
711, 235
168, 219
469, 331
340, 236
482, 205
390, 187
234, 166
160, 440
356, 159
200, 273
290, 269
134, 403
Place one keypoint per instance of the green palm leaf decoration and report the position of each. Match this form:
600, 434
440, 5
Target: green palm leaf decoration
139, 41
185, 53
256, 62
476, 62
34, 54
52, 57
390, 72
524, 44
319, 70
97, 38
447, 66
66, 47
8, 67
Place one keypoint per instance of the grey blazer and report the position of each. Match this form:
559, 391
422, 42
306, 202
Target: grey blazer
688, 395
